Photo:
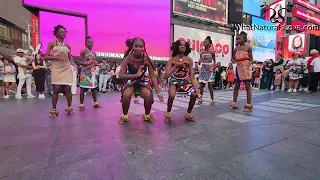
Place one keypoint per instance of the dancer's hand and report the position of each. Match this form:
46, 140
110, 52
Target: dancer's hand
139, 73
160, 97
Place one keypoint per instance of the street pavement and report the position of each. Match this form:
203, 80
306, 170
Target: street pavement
279, 139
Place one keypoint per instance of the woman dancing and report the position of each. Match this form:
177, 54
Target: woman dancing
87, 75
243, 57
179, 70
139, 66
207, 73
61, 71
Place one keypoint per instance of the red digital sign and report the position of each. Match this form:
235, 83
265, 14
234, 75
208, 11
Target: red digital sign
308, 5
35, 30
306, 16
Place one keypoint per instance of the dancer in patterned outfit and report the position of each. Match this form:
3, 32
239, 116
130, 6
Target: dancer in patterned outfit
243, 57
61, 69
140, 72
207, 69
179, 70
88, 78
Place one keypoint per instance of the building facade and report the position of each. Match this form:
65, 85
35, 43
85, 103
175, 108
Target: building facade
13, 26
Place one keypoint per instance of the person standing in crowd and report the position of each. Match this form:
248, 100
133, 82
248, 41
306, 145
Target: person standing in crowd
88, 75
296, 70
230, 76
314, 70
104, 77
243, 58
2, 85
207, 69
24, 74
303, 83
9, 73
278, 80
278, 64
74, 80
217, 81
268, 74
61, 70
39, 72
118, 80
179, 70
140, 70
48, 77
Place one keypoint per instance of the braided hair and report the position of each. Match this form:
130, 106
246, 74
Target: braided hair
56, 29
208, 38
175, 48
130, 50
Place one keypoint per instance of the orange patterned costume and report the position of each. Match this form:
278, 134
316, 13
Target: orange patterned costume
244, 66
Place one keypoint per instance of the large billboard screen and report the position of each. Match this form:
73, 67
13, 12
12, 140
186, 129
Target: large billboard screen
75, 30
252, 7
111, 22
221, 43
210, 10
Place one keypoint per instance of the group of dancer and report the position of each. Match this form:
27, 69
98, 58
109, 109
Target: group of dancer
138, 72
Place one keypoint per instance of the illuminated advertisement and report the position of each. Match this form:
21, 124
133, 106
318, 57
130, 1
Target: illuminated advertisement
252, 7
110, 23
263, 42
308, 5
75, 31
221, 43
35, 30
306, 16
296, 43
210, 10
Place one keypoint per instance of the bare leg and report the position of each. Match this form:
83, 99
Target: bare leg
249, 92
82, 95
56, 89
126, 98
94, 94
148, 100
192, 101
290, 84
295, 84
236, 91
172, 94
202, 85
210, 90
67, 91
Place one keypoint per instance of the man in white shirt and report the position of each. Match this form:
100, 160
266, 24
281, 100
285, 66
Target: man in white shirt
118, 80
24, 74
315, 70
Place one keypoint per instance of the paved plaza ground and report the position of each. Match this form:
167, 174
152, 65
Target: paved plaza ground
279, 140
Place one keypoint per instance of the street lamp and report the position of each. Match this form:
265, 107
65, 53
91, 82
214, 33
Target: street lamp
28, 31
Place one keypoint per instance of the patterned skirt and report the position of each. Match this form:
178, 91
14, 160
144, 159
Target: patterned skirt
184, 86
137, 85
88, 79
244, 71
206, 76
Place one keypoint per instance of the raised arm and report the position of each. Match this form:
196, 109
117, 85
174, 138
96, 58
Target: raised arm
123, 71
169, 68
48, 56
191, 76
152, 75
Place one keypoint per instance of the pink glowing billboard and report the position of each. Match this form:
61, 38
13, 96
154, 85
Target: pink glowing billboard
111, 22
75, 30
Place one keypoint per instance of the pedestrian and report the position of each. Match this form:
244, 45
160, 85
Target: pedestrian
278, 80
179, 70
39, 73
296, 70
9, 73
315, 70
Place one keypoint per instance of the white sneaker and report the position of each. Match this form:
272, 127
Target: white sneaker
18, 97
295, 90
30, 96
289, 90
305, 89
6, 97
